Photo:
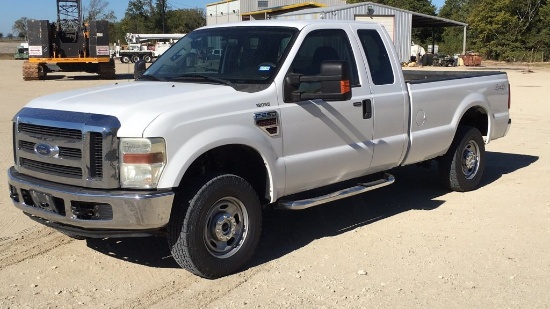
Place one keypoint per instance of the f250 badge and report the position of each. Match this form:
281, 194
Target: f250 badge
263, 104
500, 87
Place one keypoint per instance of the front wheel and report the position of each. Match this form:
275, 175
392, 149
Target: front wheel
215, 227
461, 168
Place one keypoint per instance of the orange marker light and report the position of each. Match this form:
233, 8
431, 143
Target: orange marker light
345, 86
143, 158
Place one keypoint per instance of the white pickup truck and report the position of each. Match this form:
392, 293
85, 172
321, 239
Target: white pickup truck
293, 114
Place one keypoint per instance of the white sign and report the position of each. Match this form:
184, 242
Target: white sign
35, 50
102, 50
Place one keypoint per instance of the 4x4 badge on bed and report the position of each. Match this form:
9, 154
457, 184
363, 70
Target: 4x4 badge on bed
46, 150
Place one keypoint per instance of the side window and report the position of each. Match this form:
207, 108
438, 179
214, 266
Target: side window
377, 56
322, 45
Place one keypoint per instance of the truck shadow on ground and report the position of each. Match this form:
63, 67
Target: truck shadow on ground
416, 188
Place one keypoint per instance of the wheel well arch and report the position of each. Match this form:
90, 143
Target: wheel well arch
476, 116
241, 160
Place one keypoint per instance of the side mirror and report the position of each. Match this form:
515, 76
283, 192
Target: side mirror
139, 68
332, 84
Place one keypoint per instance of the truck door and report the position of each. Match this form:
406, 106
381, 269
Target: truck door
389, 98
326, 142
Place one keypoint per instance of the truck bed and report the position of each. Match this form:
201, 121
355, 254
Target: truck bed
419, 76
438, 99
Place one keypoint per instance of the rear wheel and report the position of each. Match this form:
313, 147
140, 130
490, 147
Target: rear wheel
215, 227
124, 59
461, 168
135, 58
147, 58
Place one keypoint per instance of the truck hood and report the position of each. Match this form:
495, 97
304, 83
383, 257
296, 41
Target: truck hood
136, 104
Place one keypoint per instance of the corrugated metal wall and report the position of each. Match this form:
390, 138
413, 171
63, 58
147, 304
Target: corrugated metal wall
402, 27
252, 5
225, 12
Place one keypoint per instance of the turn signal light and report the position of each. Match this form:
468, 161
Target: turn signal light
345, 86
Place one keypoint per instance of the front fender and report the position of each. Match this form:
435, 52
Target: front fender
184, 148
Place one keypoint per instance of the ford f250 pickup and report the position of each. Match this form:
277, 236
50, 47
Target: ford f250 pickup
292, 114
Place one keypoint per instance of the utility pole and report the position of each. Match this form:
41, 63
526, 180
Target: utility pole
163, 14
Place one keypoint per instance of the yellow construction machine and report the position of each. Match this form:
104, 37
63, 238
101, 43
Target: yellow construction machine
68, 45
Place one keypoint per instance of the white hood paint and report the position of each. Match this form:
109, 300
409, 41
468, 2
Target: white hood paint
135, 104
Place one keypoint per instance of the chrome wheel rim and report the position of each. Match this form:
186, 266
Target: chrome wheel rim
226, 227
470, 159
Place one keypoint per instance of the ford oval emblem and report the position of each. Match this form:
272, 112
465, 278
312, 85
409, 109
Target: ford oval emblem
46, 150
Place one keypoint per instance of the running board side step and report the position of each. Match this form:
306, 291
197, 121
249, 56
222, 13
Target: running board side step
388, 179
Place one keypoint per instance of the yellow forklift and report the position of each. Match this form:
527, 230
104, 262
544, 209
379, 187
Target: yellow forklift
68, 45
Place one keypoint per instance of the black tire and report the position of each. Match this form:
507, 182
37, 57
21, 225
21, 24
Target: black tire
147, 58
461, 168
106, 70
135, 58
215, 226
124, 59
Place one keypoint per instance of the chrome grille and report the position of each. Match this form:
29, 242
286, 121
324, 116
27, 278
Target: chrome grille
52, 169
32, 129
73, 153
64, 152
96, 155
84, 147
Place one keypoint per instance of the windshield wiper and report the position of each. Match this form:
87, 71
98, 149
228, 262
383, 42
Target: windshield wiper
203, 76
150, 77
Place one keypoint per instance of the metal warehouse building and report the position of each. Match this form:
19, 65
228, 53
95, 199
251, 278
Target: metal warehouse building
399, 23
242, 10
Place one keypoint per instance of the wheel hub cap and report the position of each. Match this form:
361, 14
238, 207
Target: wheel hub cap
471, 160
224, 227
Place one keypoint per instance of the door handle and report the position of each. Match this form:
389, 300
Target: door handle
367, 109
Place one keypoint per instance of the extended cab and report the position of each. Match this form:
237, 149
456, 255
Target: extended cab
292, 114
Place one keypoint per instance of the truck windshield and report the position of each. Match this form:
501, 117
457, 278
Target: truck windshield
234, 55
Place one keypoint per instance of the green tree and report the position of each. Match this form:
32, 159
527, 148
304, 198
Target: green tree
537, 37
138, 17
98, 10
20, 27
510, 30
160, 15
452, 37
185, 20
493, 28
148, 16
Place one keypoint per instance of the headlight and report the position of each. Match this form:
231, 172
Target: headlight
142, 161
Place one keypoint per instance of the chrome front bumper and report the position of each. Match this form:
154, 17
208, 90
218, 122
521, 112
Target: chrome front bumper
77, 209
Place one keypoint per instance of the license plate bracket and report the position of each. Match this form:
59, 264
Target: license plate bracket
43, 201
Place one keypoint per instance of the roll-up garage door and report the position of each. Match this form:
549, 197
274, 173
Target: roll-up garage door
386, 21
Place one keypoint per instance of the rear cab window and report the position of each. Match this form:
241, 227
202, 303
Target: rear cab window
379, 63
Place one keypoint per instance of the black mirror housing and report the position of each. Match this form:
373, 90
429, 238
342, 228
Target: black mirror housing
332, 84
139, 68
